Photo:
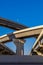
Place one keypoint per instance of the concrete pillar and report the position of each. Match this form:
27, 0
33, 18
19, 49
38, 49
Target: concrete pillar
19, 47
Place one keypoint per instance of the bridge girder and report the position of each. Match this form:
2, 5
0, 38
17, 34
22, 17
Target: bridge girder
12, 25
29, 32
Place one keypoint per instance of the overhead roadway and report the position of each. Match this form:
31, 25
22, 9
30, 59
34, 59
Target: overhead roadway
21, 33
29, 32
11, 25
25, 33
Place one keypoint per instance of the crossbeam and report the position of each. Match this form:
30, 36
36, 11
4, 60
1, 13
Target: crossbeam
8, 38
29, 32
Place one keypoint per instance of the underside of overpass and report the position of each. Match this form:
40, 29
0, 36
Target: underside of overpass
18, 37
4, 50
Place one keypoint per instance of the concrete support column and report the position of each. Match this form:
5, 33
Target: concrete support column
19, 47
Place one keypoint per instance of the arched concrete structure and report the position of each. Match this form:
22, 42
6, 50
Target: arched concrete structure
11, 25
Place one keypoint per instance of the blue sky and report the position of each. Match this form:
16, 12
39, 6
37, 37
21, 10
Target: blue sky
27, 12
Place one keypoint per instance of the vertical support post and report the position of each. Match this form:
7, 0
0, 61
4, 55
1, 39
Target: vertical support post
19, 47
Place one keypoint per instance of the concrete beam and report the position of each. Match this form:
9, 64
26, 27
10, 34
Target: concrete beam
29, 32
11, 24
9, 37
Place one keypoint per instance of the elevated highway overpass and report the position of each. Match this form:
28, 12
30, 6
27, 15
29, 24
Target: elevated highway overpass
25, 33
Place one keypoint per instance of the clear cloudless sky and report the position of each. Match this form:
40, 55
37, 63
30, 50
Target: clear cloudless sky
26, 12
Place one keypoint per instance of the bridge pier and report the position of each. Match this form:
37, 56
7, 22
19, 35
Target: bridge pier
19, 47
